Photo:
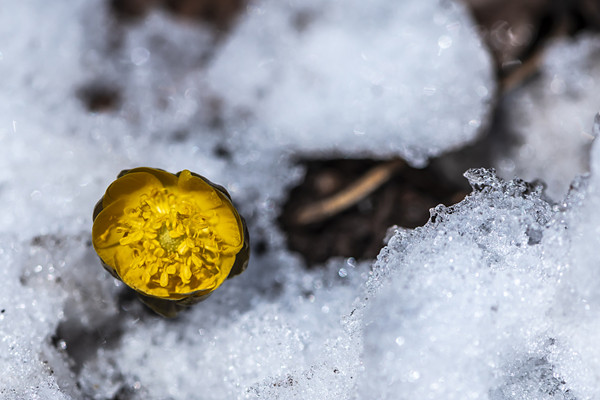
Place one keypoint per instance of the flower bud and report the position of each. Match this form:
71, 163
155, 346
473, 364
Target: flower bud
173, 238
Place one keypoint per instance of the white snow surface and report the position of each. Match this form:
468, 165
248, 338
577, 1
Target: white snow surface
494, 298
554, 107
356, 74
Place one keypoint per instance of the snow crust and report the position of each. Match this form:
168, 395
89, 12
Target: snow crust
461, 305
494, 298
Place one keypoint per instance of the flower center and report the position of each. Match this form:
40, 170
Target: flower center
173, 244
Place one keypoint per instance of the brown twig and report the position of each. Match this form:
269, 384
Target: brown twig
358, 190
525, 71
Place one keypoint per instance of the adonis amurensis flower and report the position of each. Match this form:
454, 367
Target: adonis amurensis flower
173, 238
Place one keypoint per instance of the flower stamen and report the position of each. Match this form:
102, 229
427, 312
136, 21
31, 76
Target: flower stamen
172, 243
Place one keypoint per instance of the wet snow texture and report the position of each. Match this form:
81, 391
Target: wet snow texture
494, 298
554, 107
357, 75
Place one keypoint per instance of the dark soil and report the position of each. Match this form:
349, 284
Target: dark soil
359, 231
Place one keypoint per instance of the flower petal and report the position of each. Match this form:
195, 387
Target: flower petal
229, 227
206, 196
129, 185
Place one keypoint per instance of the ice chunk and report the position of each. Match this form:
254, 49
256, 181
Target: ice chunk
550, 116
577, 302
461, 302
349, 76
495, 297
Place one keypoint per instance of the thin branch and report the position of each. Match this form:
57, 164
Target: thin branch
358, 190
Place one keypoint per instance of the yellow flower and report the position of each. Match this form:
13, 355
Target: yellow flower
173, 238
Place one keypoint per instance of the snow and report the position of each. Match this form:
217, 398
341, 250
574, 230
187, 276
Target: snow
461, 302
555, 107
348, 74
494, 298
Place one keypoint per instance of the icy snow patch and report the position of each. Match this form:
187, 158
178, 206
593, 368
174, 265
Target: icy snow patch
460, 304
291, 345
376, 78
495, 298
27, 316
550, 116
